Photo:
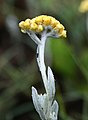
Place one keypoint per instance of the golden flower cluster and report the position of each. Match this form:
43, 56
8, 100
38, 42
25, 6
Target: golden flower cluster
84, 6
39, 23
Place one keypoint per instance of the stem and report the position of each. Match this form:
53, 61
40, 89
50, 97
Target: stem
40, 59
34, 37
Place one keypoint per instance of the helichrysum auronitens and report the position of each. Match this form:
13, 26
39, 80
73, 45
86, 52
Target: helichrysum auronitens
38, 24
84, 6
45, 26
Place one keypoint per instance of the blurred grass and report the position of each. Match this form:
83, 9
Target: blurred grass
67, 58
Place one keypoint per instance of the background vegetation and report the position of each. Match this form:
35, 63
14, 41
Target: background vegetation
67, 58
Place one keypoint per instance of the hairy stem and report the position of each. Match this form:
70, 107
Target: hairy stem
40, 59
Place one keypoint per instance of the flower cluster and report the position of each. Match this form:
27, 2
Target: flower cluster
42, 22
84, 6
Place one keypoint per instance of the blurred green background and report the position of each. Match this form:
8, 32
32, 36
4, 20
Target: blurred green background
68, 59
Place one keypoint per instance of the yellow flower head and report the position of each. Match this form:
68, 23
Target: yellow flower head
84, 6
40, 23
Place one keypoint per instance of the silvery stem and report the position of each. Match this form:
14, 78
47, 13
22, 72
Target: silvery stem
40, 59
45, 104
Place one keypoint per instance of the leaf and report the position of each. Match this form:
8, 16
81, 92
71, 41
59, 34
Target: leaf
51, 84
54, 111
37, 104
55, 107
